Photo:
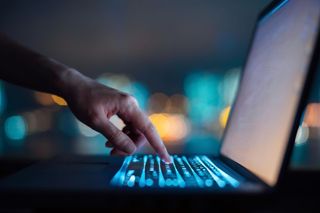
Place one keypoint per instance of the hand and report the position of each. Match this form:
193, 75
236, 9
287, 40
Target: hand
94, 104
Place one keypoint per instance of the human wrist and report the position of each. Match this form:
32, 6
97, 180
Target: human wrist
62, 76
69, 82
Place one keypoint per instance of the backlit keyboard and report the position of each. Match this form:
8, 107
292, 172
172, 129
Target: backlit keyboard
150, 171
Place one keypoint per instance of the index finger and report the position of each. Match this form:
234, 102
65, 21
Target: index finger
140, 121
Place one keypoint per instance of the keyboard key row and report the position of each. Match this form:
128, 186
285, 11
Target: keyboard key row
150, 171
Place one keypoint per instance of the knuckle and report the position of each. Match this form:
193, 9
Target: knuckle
94, 117
129, 100
114, 137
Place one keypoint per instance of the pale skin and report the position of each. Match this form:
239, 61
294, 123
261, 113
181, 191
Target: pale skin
91, 102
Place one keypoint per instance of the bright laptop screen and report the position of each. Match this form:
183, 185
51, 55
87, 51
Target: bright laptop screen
271, 87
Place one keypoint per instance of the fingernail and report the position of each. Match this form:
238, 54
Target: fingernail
131, 149
166, 160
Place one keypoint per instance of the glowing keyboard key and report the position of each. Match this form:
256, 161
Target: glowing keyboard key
149, 182
131, 181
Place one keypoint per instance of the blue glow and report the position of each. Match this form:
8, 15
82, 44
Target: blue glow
205, 101
3, 100
274, 10
140, 171
179, 180
169, 182
230, 86
131, 181
230, 179
175, 182
142, 180
208, 182
161, 178
119, 178
220, 182
198, 179
15, 128
149, 182
123, 83
140, 92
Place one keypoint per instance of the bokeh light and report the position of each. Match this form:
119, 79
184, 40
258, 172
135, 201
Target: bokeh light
3, 99
157, 102
140, 92
15, 127
230, 84
171, 127
302, 134
205, 102
224, 115
39, 120
58, 100
115, 120
93, 146
124, 84
44, 99
89, 132
118, 82
177, 103
85, 130
312, 115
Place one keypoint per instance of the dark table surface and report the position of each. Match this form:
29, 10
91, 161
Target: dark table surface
299, 192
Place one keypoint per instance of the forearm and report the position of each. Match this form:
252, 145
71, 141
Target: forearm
96, 104
26, 68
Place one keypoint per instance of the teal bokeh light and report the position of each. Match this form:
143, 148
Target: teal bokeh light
3, 100
140, 92
15, 127
230, 86
205, 101
124, 84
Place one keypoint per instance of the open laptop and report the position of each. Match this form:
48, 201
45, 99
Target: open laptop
260, 133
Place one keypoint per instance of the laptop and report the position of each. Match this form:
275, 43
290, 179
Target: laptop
258, 139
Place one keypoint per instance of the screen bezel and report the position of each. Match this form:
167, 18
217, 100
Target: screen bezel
301, 105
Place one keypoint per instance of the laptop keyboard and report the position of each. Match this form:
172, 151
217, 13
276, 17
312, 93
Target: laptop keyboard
150, 171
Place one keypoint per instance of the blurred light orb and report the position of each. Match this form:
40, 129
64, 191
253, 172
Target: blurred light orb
140, 92
44, 99
224, 115
160, 121
118, 82
205, 101
229, 86
158, 102
3, 98
39, 120
171, 127
302, 134
15, 127
312, 115
58, 100
177, 103
115, 120
89, 132
124, 84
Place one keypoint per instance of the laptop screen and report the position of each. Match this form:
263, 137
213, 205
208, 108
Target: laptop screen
264, 111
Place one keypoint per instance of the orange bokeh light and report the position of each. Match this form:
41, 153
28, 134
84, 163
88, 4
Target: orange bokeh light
171, 127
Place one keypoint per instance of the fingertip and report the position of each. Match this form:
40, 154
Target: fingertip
166, 158
116, 152
131, 149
